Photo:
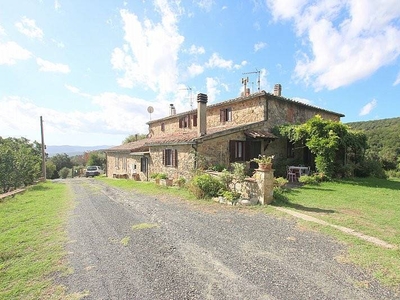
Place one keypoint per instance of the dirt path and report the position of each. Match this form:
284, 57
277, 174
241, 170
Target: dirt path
130, 246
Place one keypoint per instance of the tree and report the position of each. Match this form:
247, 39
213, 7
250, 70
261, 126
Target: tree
20, 163
96, 159
50, 169
325, 139
61, 161
134, 137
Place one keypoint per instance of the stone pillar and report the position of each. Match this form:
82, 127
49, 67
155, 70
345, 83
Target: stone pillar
265, 182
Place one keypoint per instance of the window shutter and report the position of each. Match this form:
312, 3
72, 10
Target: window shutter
247, 151
175, 158
231, 151
194, 120
222, 115
163, 157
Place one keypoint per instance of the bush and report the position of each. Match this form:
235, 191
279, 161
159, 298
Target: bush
226, 178
231, 196
370, 167
206, 186
313, 180
280, 182
217, 168
64, 172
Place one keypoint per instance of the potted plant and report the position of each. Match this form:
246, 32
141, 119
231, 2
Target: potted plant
264, 162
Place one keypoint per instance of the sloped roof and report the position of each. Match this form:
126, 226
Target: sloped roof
260, 134
190, 137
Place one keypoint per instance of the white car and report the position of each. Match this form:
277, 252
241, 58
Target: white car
92, 171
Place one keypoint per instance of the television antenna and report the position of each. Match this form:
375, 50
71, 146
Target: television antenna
188, 88
258, 78
150, 110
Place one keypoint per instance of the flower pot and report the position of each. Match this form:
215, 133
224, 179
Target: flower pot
264, 166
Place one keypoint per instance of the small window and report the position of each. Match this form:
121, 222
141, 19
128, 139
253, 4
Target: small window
162, 126
184, 122
170, 158
289, 149
225, 114
237, 150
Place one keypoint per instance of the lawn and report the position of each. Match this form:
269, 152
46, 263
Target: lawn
32, 240
370, 206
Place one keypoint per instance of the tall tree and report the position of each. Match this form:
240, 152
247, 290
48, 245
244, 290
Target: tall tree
61, 161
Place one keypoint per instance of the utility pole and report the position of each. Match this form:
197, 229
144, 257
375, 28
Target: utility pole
43, 150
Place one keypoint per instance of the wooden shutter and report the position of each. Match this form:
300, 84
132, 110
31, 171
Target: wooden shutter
174, 154
222, 115
231, 151
163, 156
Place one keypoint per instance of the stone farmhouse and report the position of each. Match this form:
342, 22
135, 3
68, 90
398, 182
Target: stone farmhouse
235, 130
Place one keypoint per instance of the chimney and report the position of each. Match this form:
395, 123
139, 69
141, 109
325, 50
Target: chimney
172, 110
202, 114
277, 90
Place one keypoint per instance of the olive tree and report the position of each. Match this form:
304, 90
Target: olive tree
20, 163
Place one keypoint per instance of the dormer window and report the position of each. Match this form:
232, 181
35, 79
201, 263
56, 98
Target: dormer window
225, 115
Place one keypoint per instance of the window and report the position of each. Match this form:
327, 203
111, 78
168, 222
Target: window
162, 126
184, 122
237, 150
289, 149
170, 157
225, 115
194, 117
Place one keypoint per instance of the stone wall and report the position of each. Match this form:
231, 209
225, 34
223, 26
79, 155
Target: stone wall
120, 164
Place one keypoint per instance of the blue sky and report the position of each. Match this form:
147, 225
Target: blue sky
92, 68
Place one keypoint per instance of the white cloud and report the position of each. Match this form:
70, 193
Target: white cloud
47, 66
368, 108
195, 69
242, 64
150, 54
259, 46
216, 61
28, 27
397, 81
212, 89
205, 4
196, 50
2, 31
10, 52
57, 5
59, 44
344, 40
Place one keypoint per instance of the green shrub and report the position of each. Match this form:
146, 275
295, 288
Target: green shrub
226, 178
218, 168
280, 195
154, 175
64, 172
162, 176
280, 182
231, 196
370, 167
313, 180
205, 186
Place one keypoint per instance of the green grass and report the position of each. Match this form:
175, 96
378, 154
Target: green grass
32, 240
370, 206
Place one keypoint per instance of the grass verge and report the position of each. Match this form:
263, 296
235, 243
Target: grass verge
370, 206
32, 239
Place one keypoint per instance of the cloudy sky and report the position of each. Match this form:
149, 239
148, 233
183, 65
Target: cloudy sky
92, 68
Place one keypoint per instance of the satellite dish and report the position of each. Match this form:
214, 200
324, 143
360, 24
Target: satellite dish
150, 110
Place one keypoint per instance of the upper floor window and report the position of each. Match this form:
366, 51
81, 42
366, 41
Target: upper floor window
225, 114
194, 118
184, 122
162, 126
170, 157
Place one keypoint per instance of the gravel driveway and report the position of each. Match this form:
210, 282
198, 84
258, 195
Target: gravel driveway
129, 246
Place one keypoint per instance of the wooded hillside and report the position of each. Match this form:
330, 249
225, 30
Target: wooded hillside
383, 139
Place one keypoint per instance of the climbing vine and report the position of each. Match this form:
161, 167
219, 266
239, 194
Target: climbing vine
325, 138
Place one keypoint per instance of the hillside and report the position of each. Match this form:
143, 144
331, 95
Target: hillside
383, 138
73, 150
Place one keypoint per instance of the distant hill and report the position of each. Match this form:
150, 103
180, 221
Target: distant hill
73, 150
383, 138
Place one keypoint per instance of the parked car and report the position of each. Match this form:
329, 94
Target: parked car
92, 171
